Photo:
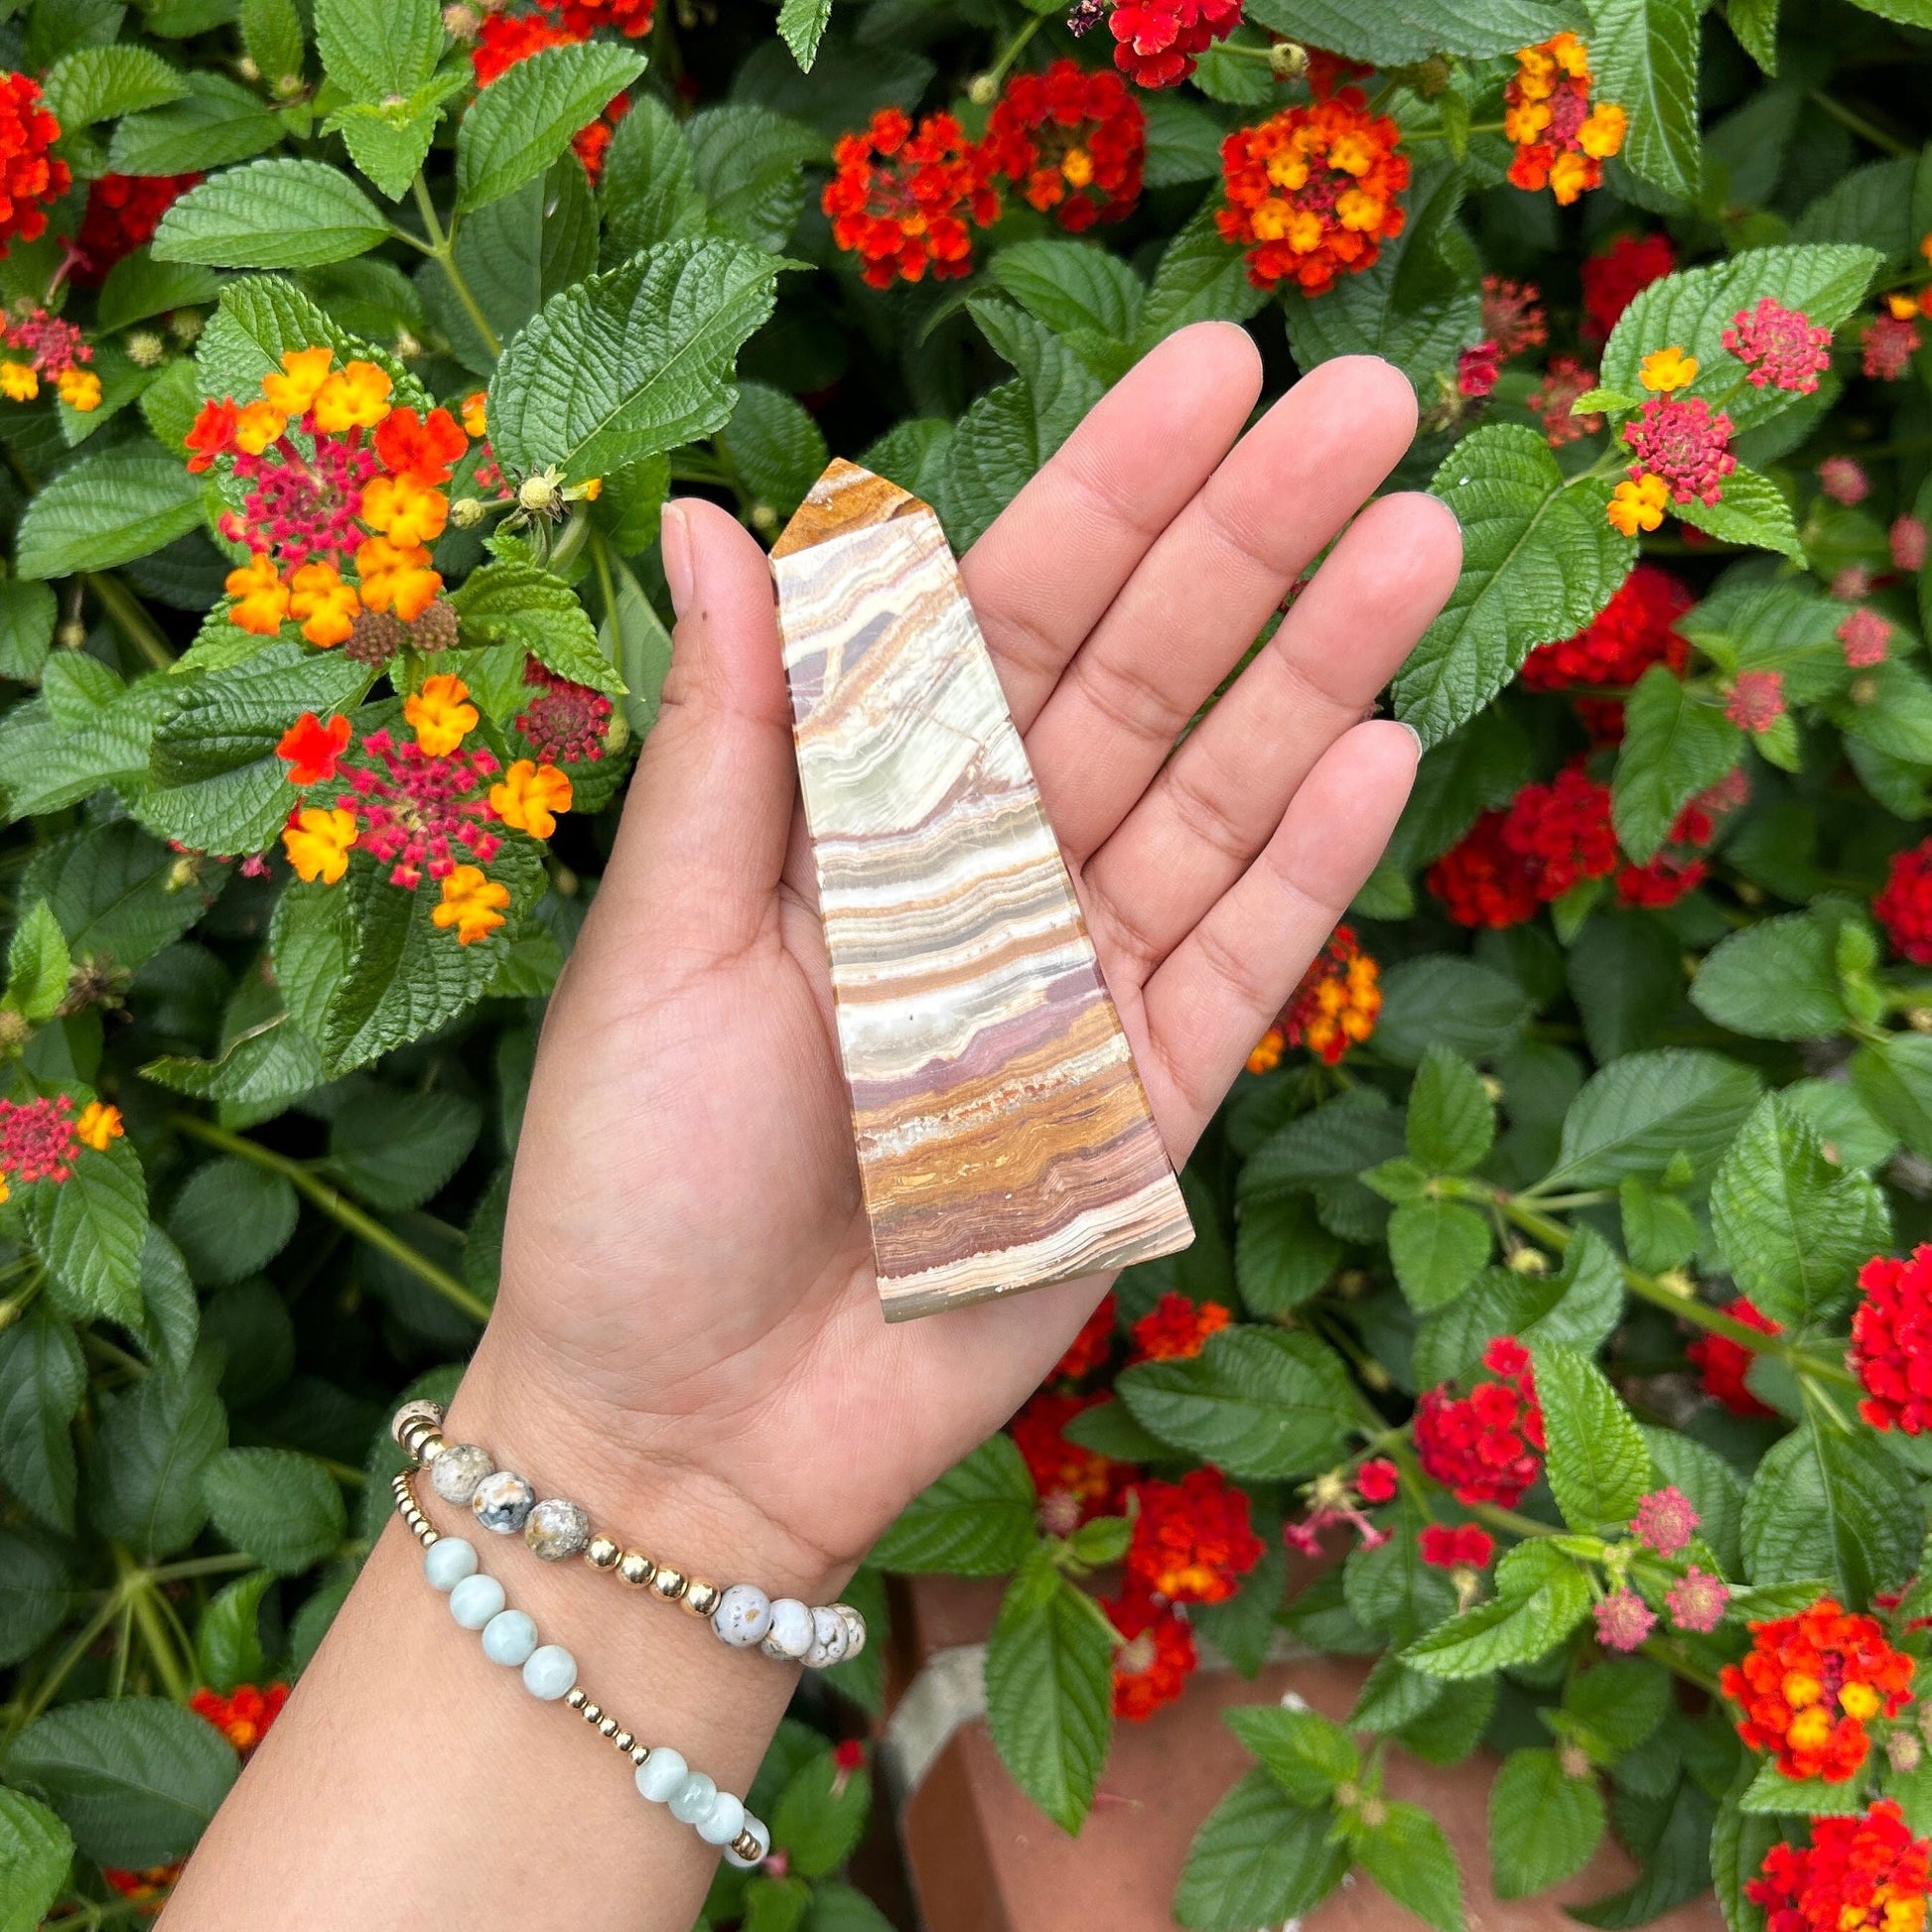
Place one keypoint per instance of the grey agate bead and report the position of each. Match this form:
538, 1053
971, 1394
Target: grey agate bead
556, 1529
420, 1410
855, 1630
455, 1473
831, 1638
791, 1632
743, 1616
502, 1501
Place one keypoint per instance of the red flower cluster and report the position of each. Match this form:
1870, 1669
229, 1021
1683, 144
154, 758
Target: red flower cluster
631, 18
1565, 380
1152, 1665
1155, 41
1069, 141
29, 177
1614, 279
1073, 1483
123, 211
37, 1141
899, 198
1858, 1875
1809, 1686
1679, 441
1178, 1328
147, 1888
1891, 343
1551, 838
1311, 192
1192, 1539
1560, 140
506, 39
1892, 1341
1089, 1350
242, 1718
1632, 632
1723, 1363
1905, 906
1332, 1008
1457, 1546
1482, 1446
565, 722
1512, 317
1678, 868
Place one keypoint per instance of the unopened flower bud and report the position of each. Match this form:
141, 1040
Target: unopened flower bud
14, 1032
1288, 60
1375, 1377
1904, 1751
1354, 1281
1059, 1513
1492, 1089
1529, 1261
1347, 1794
983, 90
466, 513
1468, 1582
1375, 1813
1573, 1760
71, 635
1919, 1019
436, 628
145, 348
246, 68
764, 519
183, 873
540, 495
185, 325
407, 347
1865, 690
1678, 1283
460, 23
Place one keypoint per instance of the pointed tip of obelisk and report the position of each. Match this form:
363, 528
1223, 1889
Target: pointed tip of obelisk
845, 498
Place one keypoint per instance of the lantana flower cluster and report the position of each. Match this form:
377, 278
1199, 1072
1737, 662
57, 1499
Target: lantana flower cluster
1680, 448
1069, 142
1903, 907
1551, 838
1867, 1873
1485, 1447
1634, 631
1156, 41
506, 39
1892, 1341
35, 345
1561, 139
30, 175
1333, 1009
39, 1140
122, 213
1722, 1364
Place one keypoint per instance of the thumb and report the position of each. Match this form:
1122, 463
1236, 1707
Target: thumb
704, 830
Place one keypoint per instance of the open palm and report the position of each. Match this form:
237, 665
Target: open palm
687, 1269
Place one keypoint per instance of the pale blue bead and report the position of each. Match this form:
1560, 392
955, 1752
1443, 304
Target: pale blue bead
743, 1616
447, 1561
549, 1672
509, 1638
764, 1835
723, 1821
693, 1798
661, 1773
475, 1599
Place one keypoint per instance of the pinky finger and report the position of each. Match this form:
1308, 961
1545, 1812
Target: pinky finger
1219, 990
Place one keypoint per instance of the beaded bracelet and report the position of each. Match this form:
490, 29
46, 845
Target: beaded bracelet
555, 1529
509, 1638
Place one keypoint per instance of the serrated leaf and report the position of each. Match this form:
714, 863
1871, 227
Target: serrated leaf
523, 120
1072, 285
282, 1508
750, 166
631, 364
1596, 1463
1542, 1598
260, 319
398, 1149
1409, 1857
517, 604
1198, 278
1451, 1119
774, 446
144, 1467
106, 509
227, 1641
109, 888
38, 964
1256, 1402
1440, 1000
279, 213
1834, 1505
1305, 1753
1410, 30
231, 1217
801, 26
1578, 1306
1258, 1859
1644, 55
1542, 1825
1539, 562
100, 84
1674, 745
271, 31
1751, 509
1771, 1791
36, 1850
1636, 1113
1281, 1253
90, 1231
821, 1815
1438, 1248
975, 1520
648, 190
217, 121
379, 49
1778, 978
389, 140
1390, 1590
42, 1378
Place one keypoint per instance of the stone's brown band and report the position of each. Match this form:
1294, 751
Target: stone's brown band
1004, 1137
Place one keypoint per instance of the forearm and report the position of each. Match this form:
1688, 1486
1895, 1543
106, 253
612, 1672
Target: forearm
410, 1778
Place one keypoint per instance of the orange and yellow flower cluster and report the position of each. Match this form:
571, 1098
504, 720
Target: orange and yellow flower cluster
1560, 140
1332, 1009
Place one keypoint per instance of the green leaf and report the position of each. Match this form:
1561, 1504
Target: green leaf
1259, 1858
1409, 1857
27, 616
1281, 1253
648, 189
36, 1592
1305, 1753
774, 446
1071, 286
631, 364
1411, 31
144, 1469
1451, 1119
1437, 1247
1825, 1504
38, 964
396, 1150
1712, 1485
1772, 1791
1542, 1825
1539, 561
1674, 745
1440, 1000
230, 1219
284, 1509
1049, 1690
517, 604
1391, 1590
1676, 1866
1794, 1228
975, 1520
1894, 1079
101, 83
1614, 1707
107, 508
219, 121
523, 120
1638, 1112
1541, 1598
1256, 1402
271, 31
36, 1850
1198, 278
1578, 1306
260, 319
135, 1779
821, 1815
280, 214
41, 1377
1778, 979
376, 50
228, 1642
1597, 1466
1644, 55
91, 1234
750, 166
110, 888
1659, 1231
801, 26
1752, 509
1889, 708
390, 141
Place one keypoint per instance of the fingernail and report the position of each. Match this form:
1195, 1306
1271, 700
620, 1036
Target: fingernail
1412, 733
674, 541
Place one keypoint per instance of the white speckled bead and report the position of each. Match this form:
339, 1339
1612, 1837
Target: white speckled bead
763, 1834
556, 1529
831, 1638
790, 1633
855, 1630
723, 1821
447, 1561
502, 1502
743, 1616
549, 1672
661, 1773
418, 1411
693, 1799
455, 1473
509, 1638
475, 1599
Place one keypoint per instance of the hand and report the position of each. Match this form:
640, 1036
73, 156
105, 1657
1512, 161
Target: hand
688, 1315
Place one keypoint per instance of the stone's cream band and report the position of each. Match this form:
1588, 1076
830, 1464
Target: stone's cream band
1004, 1137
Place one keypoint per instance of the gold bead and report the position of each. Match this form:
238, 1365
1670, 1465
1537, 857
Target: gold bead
592, 1712
638, 1753
636, 1568
434, 1444
576, 1697
747, 1845
607, 1726
701, 1598
624, 1742
602, 1552
669, 1585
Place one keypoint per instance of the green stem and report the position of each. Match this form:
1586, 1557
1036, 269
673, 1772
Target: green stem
224, 1564
1510, 1522
1865, 130
1662, 1651
83, 1641
158, 1638
129, 616
1013, 49
442, 249
339, 1209
1411, 136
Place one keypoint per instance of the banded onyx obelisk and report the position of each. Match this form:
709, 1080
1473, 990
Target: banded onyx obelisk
1004, 1137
